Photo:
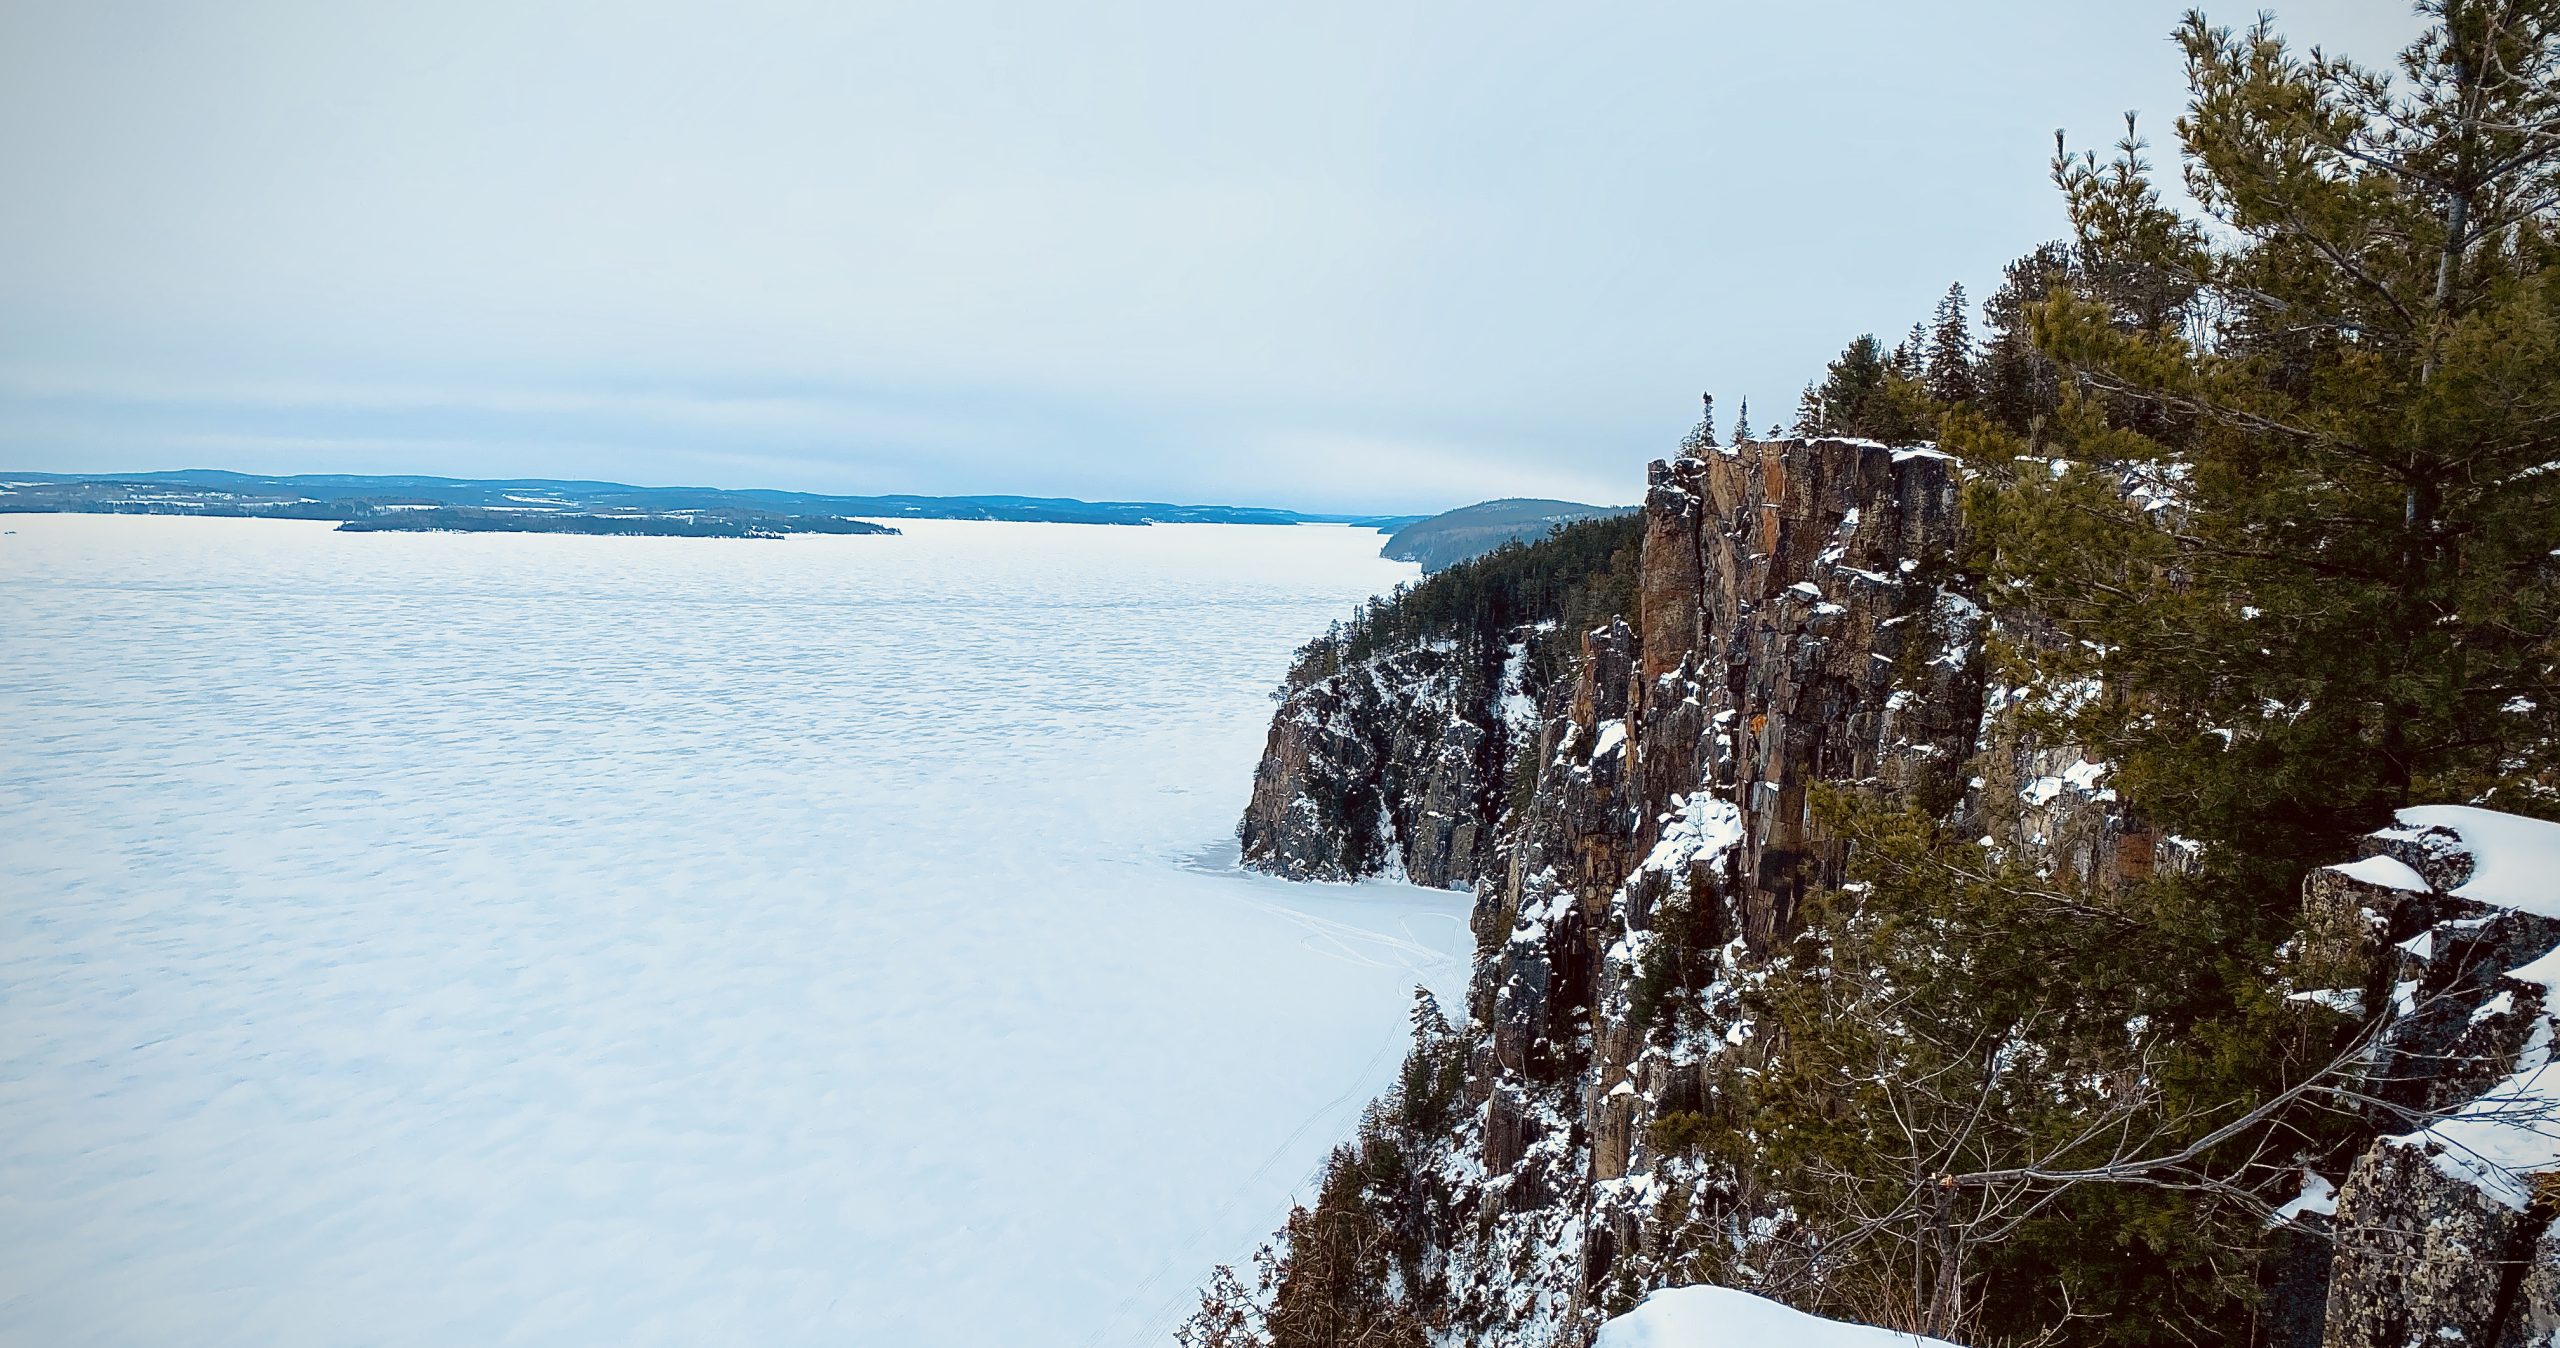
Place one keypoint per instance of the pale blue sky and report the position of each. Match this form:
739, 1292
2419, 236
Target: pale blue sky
1333, 256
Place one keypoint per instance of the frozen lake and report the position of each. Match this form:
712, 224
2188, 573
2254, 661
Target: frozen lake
457, 939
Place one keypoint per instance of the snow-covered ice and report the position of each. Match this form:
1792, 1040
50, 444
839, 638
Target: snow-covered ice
435, 939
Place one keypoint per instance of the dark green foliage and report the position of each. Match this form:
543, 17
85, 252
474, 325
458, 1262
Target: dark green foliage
1333, 1285
1522, 789
2016, 386
1434, 1077
1677, 1132
1910, 358
1852, 390
2334, 592
1955, 1013
1702, 437
1868, 394
696, 524
1453, 536
1460, 625
1680, 959
1577, 577
2265, 518
1948, 376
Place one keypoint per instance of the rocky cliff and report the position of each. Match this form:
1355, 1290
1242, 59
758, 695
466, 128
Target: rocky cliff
1642, 832
1385, 769
1795, 626
1400, 738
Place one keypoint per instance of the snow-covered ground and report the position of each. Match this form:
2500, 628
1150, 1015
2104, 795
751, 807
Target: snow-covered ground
440, 939
1720, 1317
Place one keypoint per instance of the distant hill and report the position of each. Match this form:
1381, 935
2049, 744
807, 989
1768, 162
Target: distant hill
206, 491
1444, 540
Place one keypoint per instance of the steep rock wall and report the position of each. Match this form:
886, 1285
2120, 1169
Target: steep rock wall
1799, 624
1387, 767
1802, 624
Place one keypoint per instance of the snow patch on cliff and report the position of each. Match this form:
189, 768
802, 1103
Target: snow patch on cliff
2512, 1131
1705, 825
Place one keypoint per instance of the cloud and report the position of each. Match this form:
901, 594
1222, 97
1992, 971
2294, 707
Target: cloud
1116, 248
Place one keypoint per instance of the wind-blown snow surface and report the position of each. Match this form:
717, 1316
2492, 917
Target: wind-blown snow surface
436, 939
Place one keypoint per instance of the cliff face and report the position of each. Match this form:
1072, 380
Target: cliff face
1389, 767
1792, 631
1801, 624
1400, 737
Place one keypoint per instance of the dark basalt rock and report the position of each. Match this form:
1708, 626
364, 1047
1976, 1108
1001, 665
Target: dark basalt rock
1380, 768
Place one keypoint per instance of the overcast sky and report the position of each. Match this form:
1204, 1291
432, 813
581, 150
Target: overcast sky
1334, 256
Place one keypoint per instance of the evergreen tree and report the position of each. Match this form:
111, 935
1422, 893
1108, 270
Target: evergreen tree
2016, 386
1809, 414
2303, 519
2265, 518
1852, 387
1949, 374
1867, 393
1702, 437
1908, 356
1742, 424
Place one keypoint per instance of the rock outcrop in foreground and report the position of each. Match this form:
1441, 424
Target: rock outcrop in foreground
1801, 623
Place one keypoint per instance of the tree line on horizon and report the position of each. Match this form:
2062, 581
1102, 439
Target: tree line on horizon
1902, 394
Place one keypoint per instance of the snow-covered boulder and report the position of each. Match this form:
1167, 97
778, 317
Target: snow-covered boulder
1720, 1317
2442, 1232
2505, 860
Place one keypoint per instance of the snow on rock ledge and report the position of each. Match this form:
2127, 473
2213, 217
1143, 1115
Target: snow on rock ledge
2514, 862
2453, 919
1720, 1317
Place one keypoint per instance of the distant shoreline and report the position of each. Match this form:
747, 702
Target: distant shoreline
486, 505
460, 520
